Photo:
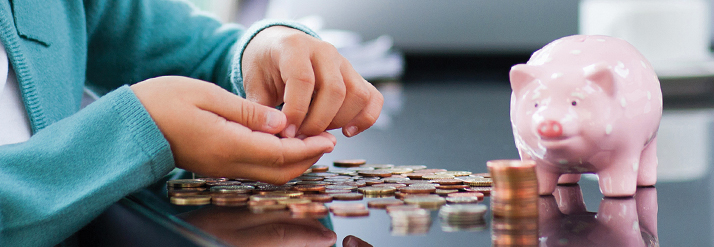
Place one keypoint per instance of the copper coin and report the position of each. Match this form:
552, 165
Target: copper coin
294, 201
410, 182
349, 163
383, 203
418, 175
373, 182
375, 173
229, 200
318, 197
262, 203
319, 168
186, 191
310, 187
311, 208
191, 200
351, 213
186, 183
485, 190
347, 196
452, 187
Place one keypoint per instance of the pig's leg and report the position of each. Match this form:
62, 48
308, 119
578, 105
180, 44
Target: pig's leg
547, 180
647, 171
569, 179
570, 199
620, 178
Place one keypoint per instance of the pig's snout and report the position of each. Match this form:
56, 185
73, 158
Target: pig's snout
550, 129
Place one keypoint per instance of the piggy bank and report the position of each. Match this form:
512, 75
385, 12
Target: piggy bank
588, 104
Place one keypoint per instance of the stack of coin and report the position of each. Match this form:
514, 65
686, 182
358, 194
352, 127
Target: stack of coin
514, 203
462, 217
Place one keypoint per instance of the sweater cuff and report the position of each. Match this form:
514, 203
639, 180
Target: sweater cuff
236, 70
145, 133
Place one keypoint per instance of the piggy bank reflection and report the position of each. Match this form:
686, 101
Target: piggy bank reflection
618, 221
588, 104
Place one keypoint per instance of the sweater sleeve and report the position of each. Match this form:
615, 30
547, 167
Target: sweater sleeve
68, 173
131, 41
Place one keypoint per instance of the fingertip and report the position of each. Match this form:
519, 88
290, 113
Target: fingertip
274, 121
350, 131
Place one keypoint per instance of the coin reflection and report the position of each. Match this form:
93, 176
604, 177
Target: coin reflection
241, 227
632, 221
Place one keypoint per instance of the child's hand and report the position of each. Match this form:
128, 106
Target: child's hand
216, 133
319, 87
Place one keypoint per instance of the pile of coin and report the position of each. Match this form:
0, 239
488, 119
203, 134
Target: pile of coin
349, 181
462, 217
514, 203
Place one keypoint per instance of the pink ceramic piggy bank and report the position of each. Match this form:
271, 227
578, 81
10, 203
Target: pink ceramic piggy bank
588, 104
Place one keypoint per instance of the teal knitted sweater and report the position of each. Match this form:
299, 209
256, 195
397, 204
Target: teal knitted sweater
79, 162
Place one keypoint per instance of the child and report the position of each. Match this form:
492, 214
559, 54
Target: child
78, 162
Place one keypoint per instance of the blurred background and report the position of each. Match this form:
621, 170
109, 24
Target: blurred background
481, 39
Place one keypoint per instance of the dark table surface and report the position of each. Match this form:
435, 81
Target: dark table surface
459, 125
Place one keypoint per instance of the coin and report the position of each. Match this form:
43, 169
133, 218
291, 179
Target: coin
482, 175
346, 206
222, 183
455, 173
268, 197
377, 190
425, 201
186, 183
383, 203
351, 213
337, 191
461, 199
241, 189
347, 196
308, 208
452, 187
478, 181
318, 197
294, 201
191, 200
394, 180
396, 186
485, 190
185, 191
443, 192
378, 166
229, 200
310, 187
349, 163
447, 181
288, 193
436, 176
340, 187
375, 173
479, 195
319, 168
417, 189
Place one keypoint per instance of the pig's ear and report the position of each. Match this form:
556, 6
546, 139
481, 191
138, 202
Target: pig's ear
521, 75
601, 74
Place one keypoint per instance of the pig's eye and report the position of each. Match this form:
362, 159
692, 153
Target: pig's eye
574, 103
536, 105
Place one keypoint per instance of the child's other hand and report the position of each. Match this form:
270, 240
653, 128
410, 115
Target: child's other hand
216, 133
319, 88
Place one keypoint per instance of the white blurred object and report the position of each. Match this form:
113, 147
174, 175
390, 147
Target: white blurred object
374, 59
674, 35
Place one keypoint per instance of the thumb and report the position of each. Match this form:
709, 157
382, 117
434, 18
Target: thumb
244, 112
